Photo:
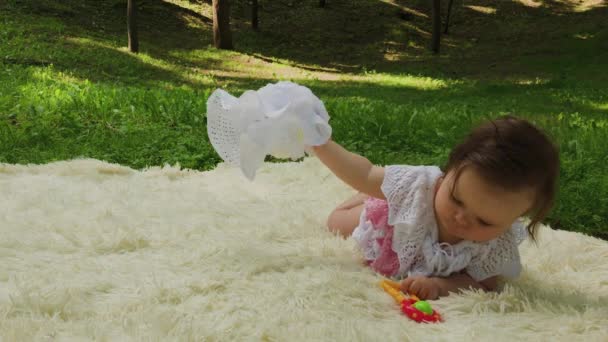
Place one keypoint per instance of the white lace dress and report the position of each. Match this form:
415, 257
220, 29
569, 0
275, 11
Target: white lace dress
407, 237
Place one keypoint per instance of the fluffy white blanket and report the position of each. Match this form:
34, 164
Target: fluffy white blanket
90, 250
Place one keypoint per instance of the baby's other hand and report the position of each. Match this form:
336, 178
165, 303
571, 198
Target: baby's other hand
421, 286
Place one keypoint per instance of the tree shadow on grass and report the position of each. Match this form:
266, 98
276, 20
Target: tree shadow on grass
497, 39
515, 39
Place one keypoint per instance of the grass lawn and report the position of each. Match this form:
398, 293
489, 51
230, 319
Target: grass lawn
69, 88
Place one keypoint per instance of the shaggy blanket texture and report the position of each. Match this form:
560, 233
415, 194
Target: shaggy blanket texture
91, 250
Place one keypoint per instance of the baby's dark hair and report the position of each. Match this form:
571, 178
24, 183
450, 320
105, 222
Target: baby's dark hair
513, 154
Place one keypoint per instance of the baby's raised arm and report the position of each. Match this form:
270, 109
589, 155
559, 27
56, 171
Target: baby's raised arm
353, 169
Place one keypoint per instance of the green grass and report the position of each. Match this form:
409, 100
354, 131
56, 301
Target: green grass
69, 88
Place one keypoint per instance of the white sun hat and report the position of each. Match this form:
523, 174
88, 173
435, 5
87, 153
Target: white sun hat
280, 119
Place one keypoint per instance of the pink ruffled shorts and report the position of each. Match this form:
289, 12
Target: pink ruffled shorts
379, 236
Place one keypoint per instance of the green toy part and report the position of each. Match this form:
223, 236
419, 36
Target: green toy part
424, 306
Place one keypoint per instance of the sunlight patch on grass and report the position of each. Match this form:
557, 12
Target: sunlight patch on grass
531, 81
196, 6
49, 74
91, 42
531, 3
578, 6
482, 9
587, 5
583, 36
191, 21
418, 30
141, 56
145, 58
405, 9
600, 105
268, 61
393, 51
414, 45
229, 64
277, 73
407, 81
202, 56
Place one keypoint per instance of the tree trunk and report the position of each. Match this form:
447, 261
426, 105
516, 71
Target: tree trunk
447, 17
436, 26
222, 37
254, 14
321, 3
132, 26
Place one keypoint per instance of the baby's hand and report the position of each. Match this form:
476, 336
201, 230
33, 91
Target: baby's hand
423, 287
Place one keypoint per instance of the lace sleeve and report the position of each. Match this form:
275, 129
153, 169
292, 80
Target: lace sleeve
402, 187
501, 257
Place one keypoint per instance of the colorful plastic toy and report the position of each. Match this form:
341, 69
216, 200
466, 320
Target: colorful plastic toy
414, 308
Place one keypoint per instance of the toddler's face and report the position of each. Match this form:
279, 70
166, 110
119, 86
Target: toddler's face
476, 210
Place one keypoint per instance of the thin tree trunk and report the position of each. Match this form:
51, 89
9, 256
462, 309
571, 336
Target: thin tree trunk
222, 36
447, 17
436, 26
321, 3
254, 14
132, 26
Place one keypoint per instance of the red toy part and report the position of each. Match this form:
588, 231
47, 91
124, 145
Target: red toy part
407, 306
